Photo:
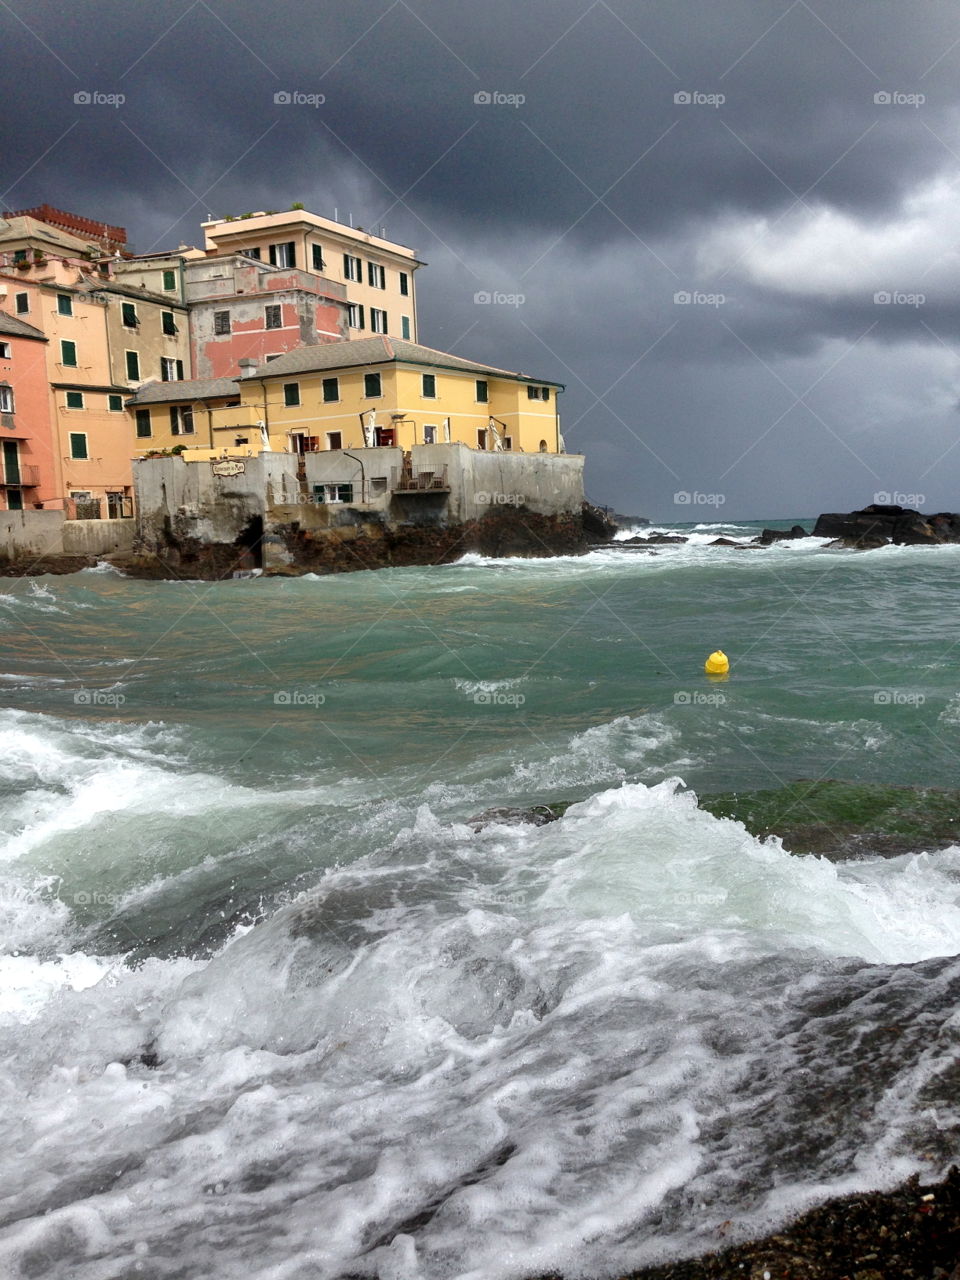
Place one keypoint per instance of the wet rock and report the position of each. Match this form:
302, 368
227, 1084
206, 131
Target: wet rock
767, 536
723, 542
537, 815
881, 523
597, 525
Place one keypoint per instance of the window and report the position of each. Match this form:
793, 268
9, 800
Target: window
351, 268
283, 255
64, 304
221, 322
371, 384
169, 281
14, 499
378, 484
376, 276
78, 444
318, 262
482, 391
115, 404
252, 253
4, 350
168, 324
429, 434
481, 437
404, 284
428, 386
23, 303
271, 316
144, 430
291, 393
538, 393
128, 313
181, 420
354, 315
508, 444
6, 398
19, 255
405, 327
74, 399
334, 440
331, 390
133, 366
171, 370
68, 353
338, 492
378, 320
543, 446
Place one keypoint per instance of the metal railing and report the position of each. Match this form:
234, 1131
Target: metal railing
418, 479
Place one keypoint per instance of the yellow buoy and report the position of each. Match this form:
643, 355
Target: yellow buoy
718, 664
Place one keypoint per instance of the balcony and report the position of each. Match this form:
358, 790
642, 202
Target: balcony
25, 476
419, 480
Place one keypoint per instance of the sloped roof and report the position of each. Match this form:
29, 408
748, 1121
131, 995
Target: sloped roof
18, 328
195, 389
380, 350
23, 228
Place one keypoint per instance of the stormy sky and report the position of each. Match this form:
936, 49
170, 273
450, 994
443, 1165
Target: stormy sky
730, 228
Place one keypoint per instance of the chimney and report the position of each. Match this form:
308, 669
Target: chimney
248, 367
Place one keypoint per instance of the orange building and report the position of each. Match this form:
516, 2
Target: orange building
29, 463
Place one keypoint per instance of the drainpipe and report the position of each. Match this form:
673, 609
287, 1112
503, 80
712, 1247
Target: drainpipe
363, 477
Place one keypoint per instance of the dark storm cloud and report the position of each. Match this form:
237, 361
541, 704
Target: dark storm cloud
600, 198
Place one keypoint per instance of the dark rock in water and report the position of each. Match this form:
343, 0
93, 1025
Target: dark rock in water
782, 535
842, 820
597, 524
537, 815
880, 523
723, 542
662, 539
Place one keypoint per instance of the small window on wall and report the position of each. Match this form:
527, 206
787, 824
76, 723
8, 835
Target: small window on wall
482, 391
378, 320
318, 262
508, 444
144, 429
351, 267
291, 393
171, 370
133, 366
168, 324
334, 440
371, 384
14, 499
169, 281
22, 303
543, 446
68, 353
378, 484
272, 317
64, 304
4, 350
181, 420
538, 393
404, 283
115, 404
283, 255
78, 445
331, 390
428, 386
74, 399
6, 398
376, 276
221, 322
355, 315
129, 313
429, 434
405, 327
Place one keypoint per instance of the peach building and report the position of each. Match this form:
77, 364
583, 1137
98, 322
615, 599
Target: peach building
29, 462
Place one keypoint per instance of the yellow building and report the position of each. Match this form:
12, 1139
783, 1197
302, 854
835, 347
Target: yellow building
382, 392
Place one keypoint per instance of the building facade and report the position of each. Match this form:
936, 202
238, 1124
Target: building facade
29, 470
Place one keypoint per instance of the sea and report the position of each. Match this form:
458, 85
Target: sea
277, 1003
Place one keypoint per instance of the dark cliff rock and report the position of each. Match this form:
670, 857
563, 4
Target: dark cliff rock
879, 524
597, 525
781, 535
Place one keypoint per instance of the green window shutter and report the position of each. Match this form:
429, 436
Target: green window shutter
78, 444
291, 393
143, 424
405, 327
115, 404
129, 314
169, 281
64, 304
167, 323
68, 353
429, 385
179, 370
331, 390
74, 399
133, 366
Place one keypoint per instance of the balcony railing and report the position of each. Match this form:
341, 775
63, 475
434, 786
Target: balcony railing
419, 480
25, 476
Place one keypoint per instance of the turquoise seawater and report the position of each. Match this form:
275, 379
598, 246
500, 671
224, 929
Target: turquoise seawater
270, 1006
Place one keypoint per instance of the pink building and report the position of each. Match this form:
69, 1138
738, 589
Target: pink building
29, 463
